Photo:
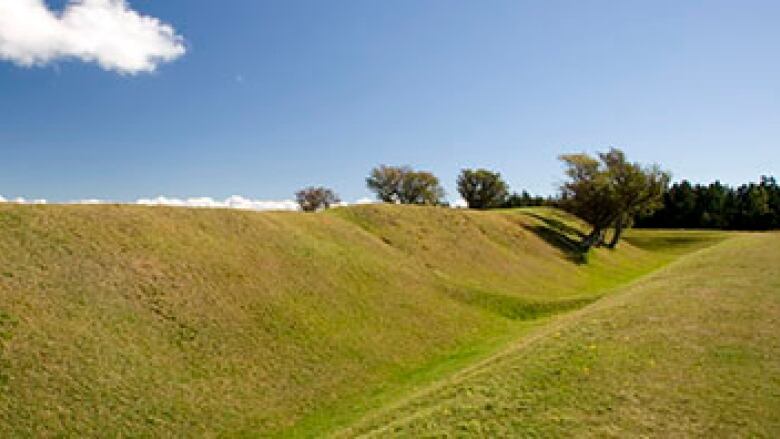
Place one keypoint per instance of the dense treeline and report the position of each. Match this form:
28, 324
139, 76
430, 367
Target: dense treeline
752, 206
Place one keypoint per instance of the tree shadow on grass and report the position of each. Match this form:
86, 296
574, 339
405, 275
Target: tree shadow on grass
557, 225
559, 234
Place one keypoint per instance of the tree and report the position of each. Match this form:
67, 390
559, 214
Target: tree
482, 189
609, 191
312, 199
588, 194
637, 189
386, 182
402, 184
421, 187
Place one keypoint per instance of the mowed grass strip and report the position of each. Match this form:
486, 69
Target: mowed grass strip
693, 350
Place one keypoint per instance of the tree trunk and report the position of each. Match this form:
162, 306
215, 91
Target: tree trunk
592, 239
616, 236
602, 237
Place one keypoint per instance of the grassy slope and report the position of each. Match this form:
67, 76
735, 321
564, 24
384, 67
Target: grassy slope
693, 350
121, 319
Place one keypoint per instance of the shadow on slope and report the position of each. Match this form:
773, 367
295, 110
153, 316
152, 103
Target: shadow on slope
557, 233
517, 308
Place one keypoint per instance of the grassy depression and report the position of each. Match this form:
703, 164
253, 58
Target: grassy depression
163, 321
692, 350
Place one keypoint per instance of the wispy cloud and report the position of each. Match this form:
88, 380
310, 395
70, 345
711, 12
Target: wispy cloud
20, 200
232, 202
107, 32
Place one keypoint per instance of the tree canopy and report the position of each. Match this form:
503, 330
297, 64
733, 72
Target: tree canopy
312, 199
608, 191
751, 206
402, 184
481, 188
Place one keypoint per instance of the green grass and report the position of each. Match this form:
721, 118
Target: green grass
692, 350
125, 320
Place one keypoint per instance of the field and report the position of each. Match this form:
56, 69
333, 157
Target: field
126, 320
692, 350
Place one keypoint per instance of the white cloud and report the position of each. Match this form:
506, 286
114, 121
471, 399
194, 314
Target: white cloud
233, 202
20, 200
460, 203
107, 32
366, 200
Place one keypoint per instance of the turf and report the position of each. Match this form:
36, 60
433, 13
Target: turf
693, 350
129, 320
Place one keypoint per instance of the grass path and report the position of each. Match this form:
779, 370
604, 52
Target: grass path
691, 350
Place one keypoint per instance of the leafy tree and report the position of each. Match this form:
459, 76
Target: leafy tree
637, 189
609, 191
421, 187
312, 199
404, 185
387, 182
589, 194
482, 189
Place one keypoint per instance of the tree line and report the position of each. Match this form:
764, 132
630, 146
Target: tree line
607, 191
479, 188
750, 206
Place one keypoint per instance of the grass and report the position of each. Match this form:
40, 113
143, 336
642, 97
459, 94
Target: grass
692, 350
128, 320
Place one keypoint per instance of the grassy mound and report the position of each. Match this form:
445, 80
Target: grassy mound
693, 350
164, 321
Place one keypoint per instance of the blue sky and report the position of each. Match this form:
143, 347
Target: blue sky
271, 96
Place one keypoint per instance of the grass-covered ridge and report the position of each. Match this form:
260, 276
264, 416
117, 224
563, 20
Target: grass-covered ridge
691, 351
165, 321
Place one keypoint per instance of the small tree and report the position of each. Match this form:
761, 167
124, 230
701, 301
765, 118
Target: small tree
482, 189
421, 187
386, 182
313, 199
401, 184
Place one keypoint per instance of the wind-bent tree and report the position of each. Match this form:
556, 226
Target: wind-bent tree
588, 194
639, 190
402, 184
609, 191
482, 189
312, 199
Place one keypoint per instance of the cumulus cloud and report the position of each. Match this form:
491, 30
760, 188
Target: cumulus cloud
107, 32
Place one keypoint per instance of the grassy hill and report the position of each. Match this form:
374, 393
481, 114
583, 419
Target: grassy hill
692, 350
165, 321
